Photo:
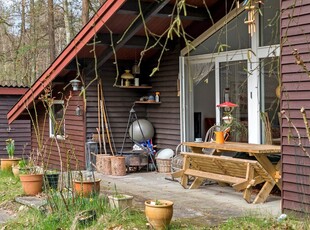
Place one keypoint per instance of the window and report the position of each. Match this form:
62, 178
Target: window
56, 120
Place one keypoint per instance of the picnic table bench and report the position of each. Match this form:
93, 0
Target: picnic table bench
242, 174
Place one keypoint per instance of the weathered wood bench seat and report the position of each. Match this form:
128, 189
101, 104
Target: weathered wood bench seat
242, 174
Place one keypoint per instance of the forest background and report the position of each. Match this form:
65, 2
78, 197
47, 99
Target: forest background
34, 32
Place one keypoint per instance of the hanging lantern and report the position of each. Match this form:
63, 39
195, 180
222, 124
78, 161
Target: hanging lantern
75, 84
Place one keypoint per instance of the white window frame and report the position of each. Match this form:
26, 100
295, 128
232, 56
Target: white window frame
253, 84
51, 129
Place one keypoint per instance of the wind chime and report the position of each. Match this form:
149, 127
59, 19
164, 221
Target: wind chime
251, 7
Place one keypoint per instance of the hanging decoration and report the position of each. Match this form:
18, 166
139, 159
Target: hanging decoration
251, 7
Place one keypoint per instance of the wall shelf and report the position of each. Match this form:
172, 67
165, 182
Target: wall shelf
135, 87
147, 102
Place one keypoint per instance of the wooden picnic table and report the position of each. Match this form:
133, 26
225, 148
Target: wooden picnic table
259, 151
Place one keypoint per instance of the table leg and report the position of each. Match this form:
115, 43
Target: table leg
263, 193
184, 178
197, 182
269, 167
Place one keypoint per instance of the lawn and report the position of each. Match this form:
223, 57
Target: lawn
62, 214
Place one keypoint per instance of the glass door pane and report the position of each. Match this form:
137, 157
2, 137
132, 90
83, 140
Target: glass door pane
233, 88
270, 98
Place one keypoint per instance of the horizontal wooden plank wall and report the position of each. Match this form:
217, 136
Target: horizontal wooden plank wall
166, 116
295, 34
73, 147
19, 130
118, 104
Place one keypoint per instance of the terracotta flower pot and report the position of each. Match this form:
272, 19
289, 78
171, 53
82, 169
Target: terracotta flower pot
15, 170
6, 164
32, 183
86, 188
159, 215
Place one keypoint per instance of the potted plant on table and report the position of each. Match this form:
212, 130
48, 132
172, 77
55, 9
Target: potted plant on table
6, 164
120, 201
230, 125
159, 213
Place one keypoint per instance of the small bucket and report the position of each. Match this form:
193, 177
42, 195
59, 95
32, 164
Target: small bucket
163, 165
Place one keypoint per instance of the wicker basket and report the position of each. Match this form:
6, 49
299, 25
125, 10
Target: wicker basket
163, 165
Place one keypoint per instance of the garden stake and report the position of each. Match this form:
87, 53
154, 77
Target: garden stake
99, 122
99, 138
105, 118
102, 128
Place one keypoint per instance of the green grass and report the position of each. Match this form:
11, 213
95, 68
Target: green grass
10, 187
257, 223
62, 215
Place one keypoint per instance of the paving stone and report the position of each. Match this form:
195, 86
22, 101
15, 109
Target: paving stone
31, 201
4, 216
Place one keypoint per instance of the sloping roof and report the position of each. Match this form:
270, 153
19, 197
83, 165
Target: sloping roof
9, 82
124, 19
81, 39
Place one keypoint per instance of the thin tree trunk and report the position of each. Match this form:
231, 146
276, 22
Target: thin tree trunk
85, 11
33, 38
67, 21
51, 33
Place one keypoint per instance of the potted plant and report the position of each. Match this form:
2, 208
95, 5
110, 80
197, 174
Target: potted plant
230, 125
31, 177
51, 179
21, 164
159, 213
120, 201
86, 186
6, 164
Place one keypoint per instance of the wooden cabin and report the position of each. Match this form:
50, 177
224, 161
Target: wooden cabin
18, 130
228, 60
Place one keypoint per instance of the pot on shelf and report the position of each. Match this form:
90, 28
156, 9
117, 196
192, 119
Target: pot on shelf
159, 213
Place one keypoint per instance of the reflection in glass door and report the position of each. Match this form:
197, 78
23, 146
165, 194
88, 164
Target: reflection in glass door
270, 99
233, 88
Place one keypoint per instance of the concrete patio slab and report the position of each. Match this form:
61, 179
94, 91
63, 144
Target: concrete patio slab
208, 205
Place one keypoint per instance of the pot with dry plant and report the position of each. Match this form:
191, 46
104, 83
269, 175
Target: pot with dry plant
7, 163
31, 176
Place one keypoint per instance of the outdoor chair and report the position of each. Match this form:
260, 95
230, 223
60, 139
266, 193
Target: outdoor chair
177, 160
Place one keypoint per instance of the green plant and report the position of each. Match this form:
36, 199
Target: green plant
157, 202
22, 163
236, 128
117, 194
10, 147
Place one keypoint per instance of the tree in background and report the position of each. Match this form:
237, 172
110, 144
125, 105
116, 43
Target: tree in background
34, 32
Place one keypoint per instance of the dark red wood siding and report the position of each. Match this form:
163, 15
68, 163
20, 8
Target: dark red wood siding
164, 117
73, 147
19, 130
295, 34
